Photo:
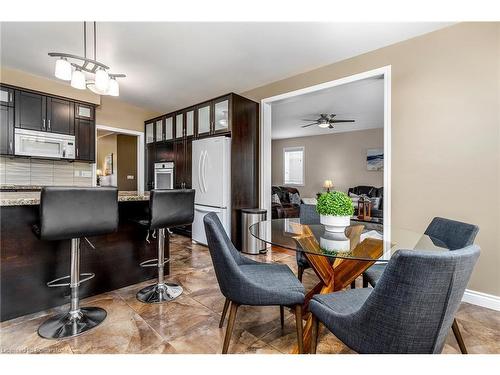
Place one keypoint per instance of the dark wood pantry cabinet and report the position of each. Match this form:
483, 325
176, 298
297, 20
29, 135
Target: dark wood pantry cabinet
229, 115
6, 121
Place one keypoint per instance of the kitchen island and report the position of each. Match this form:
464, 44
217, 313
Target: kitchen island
27, 263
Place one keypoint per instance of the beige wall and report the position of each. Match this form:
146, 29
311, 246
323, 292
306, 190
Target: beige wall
127, 156
445, 130
339, 157
111, 111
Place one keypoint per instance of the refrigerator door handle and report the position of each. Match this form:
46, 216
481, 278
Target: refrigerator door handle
204, 171
199, 171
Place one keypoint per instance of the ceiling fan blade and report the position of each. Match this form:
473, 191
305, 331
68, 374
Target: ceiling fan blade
308, 119
305, 126
335, 121
330, 126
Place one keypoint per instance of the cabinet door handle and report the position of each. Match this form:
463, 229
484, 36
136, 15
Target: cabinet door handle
10, 147
49, 124
10, 97
77, 152
43, 124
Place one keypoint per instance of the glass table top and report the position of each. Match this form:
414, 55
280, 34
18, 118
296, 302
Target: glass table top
355, 243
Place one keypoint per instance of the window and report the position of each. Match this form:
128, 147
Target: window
293, 165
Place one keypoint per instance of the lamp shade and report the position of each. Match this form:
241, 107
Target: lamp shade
78, 80
113, 87
63, 69
328, 184
101, 80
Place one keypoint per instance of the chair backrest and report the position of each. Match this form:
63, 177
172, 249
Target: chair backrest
454, 234
308, 214
170, 208
412, 307
74, 212
225, 257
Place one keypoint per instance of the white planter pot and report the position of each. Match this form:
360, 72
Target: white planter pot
336, 224
335, 242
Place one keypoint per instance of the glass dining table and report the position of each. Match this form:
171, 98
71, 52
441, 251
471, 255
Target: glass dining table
339, 258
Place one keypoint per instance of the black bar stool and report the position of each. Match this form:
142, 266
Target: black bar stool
167, 209
70, 214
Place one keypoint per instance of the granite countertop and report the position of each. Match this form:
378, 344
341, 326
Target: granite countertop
31, 198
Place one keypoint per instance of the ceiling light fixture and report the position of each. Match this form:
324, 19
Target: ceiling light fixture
102, 82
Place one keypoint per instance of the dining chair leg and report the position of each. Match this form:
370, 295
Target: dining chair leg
298, 323
224, 312
365, 282
282, 317
458, 336
300, 273
230, 325
353, 284
314, 334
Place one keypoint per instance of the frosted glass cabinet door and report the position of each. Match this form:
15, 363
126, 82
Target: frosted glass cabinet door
204, 119
189, 124
169, 128
179, 125
221, 116
159, 130
149, 133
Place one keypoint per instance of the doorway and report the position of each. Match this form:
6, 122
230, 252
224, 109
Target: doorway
119, 159
265, 189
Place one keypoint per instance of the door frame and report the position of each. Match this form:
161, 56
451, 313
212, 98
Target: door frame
266, 145
140, 154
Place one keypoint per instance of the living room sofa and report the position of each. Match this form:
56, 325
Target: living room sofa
284, 209
371, 192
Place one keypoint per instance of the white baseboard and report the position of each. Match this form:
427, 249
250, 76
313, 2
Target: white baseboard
482, 299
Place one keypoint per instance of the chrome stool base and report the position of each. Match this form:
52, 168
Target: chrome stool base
69, 325
159, 293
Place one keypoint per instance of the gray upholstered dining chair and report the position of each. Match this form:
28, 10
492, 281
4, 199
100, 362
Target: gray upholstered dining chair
410, 310
454, 235
246, 282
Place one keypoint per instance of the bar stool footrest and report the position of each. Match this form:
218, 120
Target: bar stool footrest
83, 278
153, 263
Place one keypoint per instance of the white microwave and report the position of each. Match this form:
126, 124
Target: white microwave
44, 144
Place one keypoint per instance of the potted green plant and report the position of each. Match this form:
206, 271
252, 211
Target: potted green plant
335, 209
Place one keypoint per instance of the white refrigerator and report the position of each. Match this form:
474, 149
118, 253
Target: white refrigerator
212, 181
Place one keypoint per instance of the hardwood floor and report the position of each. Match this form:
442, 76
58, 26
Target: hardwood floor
190, 324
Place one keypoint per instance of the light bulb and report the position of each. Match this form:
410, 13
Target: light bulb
113, 88
323, 124
101, 80
63, 69
78, 80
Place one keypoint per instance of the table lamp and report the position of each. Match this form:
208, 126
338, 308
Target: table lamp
98, 173
328, 184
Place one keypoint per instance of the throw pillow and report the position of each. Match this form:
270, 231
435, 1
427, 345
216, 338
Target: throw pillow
354, 199
375, 202
275, 199
294, 198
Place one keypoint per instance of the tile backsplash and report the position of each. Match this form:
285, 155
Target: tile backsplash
39, 172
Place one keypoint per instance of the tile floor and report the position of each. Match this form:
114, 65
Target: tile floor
189, 324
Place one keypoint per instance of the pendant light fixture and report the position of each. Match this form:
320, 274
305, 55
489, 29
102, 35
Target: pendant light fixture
84, 72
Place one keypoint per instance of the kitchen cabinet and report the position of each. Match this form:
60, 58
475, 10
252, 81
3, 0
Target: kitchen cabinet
6, 130
85, 140
182, 159
204, 118
169, 128
150, 166
179, 126
221, 121
6, 96
84, 111
30, 111
159, 133
189, 123
60, 116
150, 135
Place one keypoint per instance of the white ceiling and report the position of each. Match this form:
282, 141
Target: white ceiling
362, 101
173, 65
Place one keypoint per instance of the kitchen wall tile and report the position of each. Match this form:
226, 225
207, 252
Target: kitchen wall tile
2, 170
63, 173
42, 172
17, 171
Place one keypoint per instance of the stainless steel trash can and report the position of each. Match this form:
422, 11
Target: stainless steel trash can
250, 244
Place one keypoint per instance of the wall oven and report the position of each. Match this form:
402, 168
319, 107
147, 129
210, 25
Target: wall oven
164, 175
44, 144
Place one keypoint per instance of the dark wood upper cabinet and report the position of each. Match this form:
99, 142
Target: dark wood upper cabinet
85, 140
180, 125
6, 130
6, 96
60, 116
150, 132
31, 111
159, 130
204, 119
221, 115
189, 115
84, 111
169, 128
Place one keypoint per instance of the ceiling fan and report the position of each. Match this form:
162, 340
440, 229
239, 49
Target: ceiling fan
325, 121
